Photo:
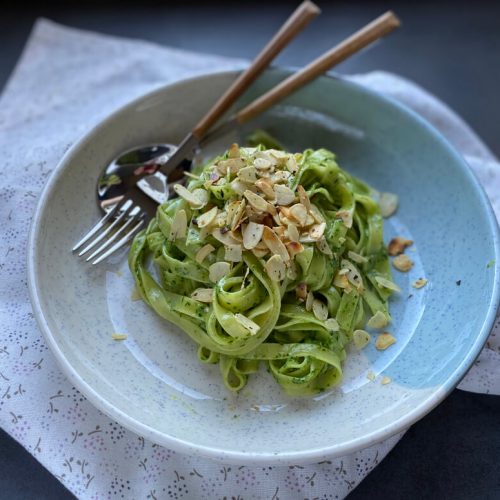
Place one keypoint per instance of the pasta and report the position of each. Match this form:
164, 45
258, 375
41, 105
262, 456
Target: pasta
268, 257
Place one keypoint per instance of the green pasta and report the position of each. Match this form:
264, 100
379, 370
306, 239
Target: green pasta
268, 257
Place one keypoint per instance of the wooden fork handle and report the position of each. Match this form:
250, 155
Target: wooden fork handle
365, 36
300, 18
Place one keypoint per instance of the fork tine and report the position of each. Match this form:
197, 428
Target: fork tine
126, 208
123, 241
114, 236
96, 228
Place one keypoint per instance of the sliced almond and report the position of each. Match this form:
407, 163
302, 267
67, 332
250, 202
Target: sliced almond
256, 201
361, 338
385, 380
280, 176
284, 195
378, 320
252, 234
262, 163
238, 216
388, 203
293, 232
371, 376
316, 232
178, 229
259, 253
274, 244
231, 165
218, 270
301, 291
203, 252
275, 268
266, 187
294, 248
398, 245
384, 340
119, 336
309, 301
402, 263
221, 219
385, 283
203, 295
239, 187
346, 216
315, 212
279, 230
248, 174
420, 283
231, 209
320, 310
299, 213
291, 164
324, 247
353, 274
356, 257
332, 325
341, 281
207, 218
247, 323
233, 253
224, 236
234, 151
303, 197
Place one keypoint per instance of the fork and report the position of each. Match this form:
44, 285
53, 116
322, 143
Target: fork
378, 28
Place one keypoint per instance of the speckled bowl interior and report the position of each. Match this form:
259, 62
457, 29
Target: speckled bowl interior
152, 382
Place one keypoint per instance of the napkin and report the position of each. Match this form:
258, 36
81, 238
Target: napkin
65, 82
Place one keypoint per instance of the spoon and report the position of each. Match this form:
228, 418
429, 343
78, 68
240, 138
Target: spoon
148, 167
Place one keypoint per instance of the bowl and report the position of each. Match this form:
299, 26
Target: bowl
152, 382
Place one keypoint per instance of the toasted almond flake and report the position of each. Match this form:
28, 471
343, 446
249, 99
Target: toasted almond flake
299, 213
275, 268
353, 274
196, 199
278, 154
225, 237
355, 257
119, 336
280, 231
238, 216
256, 201
315, 212
203, 295
252, 234
398, 245
361, 338
239, 187
262, 163
384, 340
178, 229
385, 283
386, 380
309, 301
301, 291
388, 203
304, 198
259, 253
247, 323
221, 219
248, 174
280, 176
203, 252
231, 209
378, 320
218, 270
292, 271
231, 165
284, 195
293, 232
274, 244
420, 283
332, 325
343, 271
341, 281
294, 248
320, 310
371, 376
324, 247
207, 218
402, 263
266, 187
291, 164
233, 253
316, 232
234, 151
346, 216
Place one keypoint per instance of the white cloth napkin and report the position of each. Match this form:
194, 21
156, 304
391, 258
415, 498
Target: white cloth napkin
66, 81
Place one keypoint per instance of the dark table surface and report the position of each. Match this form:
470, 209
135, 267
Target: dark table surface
452, 48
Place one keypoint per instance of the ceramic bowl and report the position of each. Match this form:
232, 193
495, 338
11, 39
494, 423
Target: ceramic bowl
152, 382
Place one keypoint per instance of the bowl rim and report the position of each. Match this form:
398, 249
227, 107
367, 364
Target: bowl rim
256, 458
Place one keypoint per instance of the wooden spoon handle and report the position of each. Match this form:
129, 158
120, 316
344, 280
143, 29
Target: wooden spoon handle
371, 32
300, 18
